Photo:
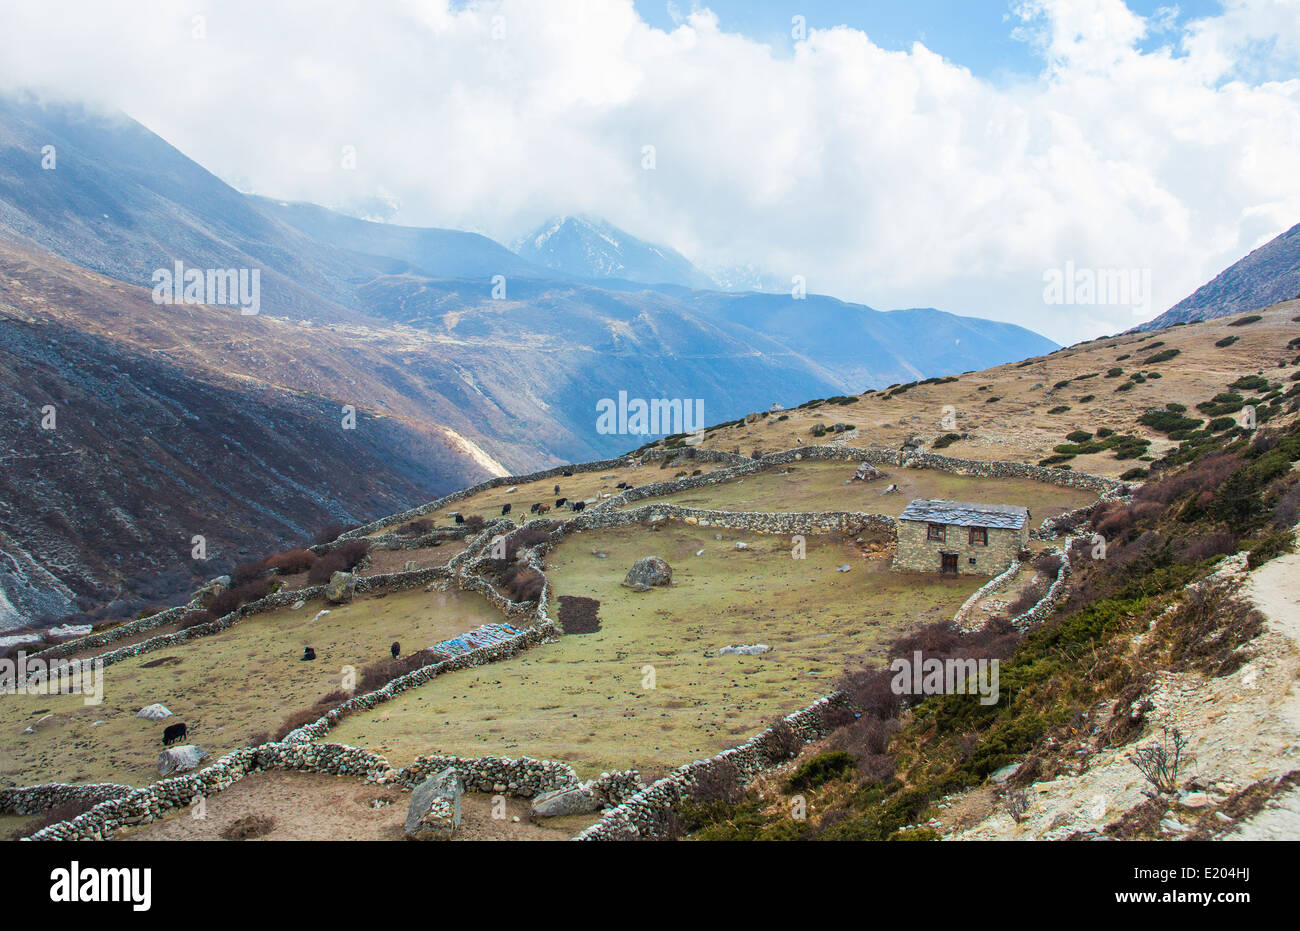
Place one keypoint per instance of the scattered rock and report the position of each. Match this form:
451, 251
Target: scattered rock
153, 712
575, 800
435, 807
752, 649
646, 572
180, 759
341, 587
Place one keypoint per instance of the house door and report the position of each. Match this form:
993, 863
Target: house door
949, 563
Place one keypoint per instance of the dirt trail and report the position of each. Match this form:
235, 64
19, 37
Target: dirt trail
1244, 727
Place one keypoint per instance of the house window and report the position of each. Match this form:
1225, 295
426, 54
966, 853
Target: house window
979, 536
935, 532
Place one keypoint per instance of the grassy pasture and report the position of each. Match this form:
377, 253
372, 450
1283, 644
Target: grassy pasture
819, 486
229, 687
582, 699
580, 486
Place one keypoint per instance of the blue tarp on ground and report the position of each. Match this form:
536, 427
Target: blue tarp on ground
483, 636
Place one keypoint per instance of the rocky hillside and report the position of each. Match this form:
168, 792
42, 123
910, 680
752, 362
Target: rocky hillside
1027, 410
1269, 274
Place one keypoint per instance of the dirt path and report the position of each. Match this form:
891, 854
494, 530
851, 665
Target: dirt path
1244, 727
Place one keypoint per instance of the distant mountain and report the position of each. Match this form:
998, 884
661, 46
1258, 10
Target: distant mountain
175, 416
438, 253
747, 277
587, 248
119, 200
1268, 275
859, 347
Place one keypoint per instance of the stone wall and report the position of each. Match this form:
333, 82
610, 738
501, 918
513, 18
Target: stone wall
124, 806
961, 618
645, 814
642, 810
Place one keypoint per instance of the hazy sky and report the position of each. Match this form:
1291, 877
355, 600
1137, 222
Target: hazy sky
922, 153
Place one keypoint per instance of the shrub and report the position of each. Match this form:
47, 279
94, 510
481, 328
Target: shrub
1059, 409
1114, 372
474, 523
291, 562
195, 618
524, 583
329, 534
1226, 341
946, 440
1161, 761
1132, 474
1078, 436
783, 742
342, 557
247, 572
1163, 355
718, 780
818, 771
1246, 320
1250, 383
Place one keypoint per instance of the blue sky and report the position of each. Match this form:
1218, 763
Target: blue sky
973, 33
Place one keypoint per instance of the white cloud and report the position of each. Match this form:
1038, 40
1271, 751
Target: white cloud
893, 178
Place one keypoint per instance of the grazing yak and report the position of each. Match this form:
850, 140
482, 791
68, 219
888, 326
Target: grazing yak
460, 518
543, 509
534, 509
308, 654
174, 733
396, 649
559, 502
578, 505
505, 509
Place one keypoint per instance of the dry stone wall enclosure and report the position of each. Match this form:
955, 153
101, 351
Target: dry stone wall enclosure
638, 811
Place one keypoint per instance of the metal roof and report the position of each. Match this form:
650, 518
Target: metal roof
966, 513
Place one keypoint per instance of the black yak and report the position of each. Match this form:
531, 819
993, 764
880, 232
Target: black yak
567, 473
460, 518
308, 654
397, 649
559, 502
534, 508
173, 733
579, 505
505, 509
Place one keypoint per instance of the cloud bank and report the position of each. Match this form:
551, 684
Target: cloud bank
891, 178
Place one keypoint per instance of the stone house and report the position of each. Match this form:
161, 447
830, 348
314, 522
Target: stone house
960, 536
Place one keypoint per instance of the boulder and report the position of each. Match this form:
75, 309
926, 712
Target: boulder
214, 588
435, 807
647, 572
180, 759
749, 649
340, 588
867, 473
575, 800
153, 712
